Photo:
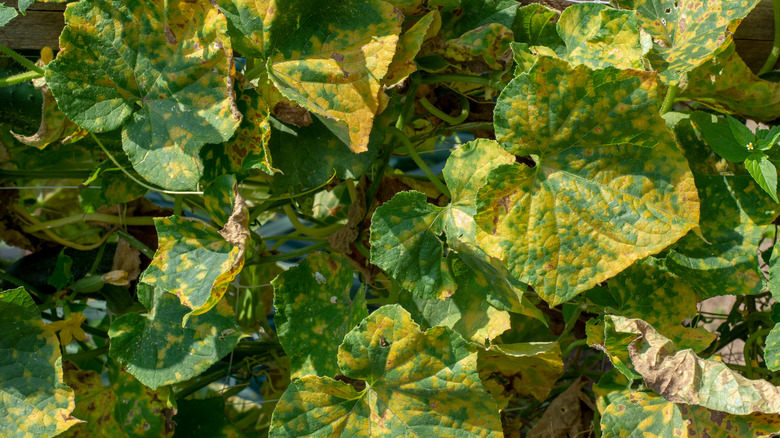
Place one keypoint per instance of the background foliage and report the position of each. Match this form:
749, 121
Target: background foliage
379, 218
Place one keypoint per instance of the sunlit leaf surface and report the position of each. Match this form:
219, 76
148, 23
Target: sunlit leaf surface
608, 186
315, 311
160, 70
686, 33
404, 382
34, 400
158, 350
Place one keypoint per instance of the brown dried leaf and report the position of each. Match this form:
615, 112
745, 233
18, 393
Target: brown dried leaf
128, 259
236, 229
563, 418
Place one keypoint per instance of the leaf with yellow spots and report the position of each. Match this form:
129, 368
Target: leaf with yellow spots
727, 84
34, 400
314, 312
686, 33
124, 409
535, 25
333, 63
599, 36
683, 377
734, 211
480, 50
646, 290
395, 381
405, 243
520, 370
772, 348
167, 84
158, 350
249, 25
467, 311
608, 185
647, 414
195, 261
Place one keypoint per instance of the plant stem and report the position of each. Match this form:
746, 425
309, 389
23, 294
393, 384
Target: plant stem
310, 231
90, 217
145, 250
292, 254
671, 94
771, 60
18, 79
470, 79
177, 201
570, 324
11, 279
419, 161
55, 238
747, 350
89, 354
136, 180
22, 60
444, 116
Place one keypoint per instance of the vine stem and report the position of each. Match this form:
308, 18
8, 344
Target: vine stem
671, 94
464, 113
771, 60
136, 180
747, 350
21, 77
57, 238
479, 80
309, 231
22, 60
145, 250
419, 161
90, 217
290, 255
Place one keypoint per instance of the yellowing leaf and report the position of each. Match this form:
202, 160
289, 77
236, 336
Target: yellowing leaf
409, 44
608, 186
401, 382
686, 33
333, 66
518, 370
195, 261
34, 400
168, 84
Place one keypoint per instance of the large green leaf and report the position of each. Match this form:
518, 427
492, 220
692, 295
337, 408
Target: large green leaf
158, 350
159, 69
648, 414
599, 36
333, 62
647, 291
734, 212
727, 84
686, 33
511, 370
34, 400
683, 377
124, 409
404, 382
314, 312
196, 261
608, 186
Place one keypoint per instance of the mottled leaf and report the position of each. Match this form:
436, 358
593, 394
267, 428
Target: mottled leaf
647, 291
772, 349
683, 377
602, 336
734, 212
34, 400
512, 370
126, 408
404, 382
160, 70
480, 50
405, 243
608, 187
727, 84
599, 36
314, 312
158, 350
535, 25
195, 261
648, 414
686, 33
472, 14
249, 24
333, 66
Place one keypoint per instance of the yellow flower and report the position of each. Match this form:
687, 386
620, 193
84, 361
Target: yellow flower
70, 328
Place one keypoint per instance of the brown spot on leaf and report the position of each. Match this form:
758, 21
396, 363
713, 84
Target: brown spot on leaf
169, 36
293, 114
